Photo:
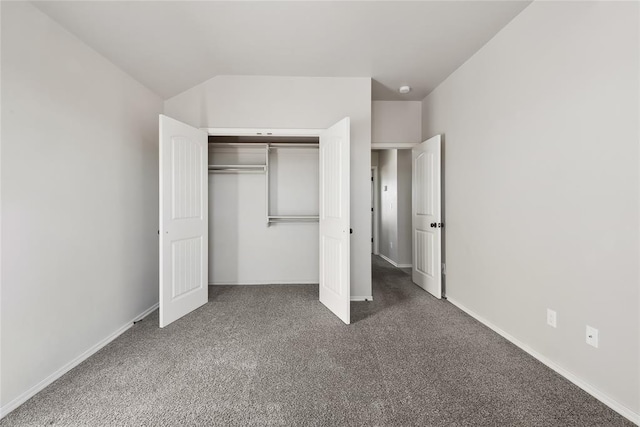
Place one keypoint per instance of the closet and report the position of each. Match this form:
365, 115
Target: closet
263, 209
253, 206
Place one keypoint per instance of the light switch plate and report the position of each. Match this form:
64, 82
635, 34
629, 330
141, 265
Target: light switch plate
552, 318
592, 336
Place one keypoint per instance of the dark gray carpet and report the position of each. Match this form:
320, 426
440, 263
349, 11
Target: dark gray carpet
273, 355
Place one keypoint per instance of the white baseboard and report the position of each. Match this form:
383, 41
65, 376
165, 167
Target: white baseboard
389, 260
269, 282
392, 262
367, 298
72, 364
593, 391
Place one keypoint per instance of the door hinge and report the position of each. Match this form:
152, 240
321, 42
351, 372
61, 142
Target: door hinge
444, 268
371, 178
372, 240
371, 209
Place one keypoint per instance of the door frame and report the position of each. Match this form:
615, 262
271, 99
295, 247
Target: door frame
411, 145
269, 133
376, 211
393, 145
262, 132
385, 146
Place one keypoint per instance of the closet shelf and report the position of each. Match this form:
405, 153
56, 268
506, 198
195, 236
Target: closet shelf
258, 167
277, 145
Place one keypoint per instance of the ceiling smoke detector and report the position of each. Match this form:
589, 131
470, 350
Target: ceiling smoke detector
404, 89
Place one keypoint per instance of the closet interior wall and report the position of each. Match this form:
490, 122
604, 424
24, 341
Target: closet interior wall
244, 246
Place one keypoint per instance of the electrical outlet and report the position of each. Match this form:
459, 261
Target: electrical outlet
551, 318
592, 336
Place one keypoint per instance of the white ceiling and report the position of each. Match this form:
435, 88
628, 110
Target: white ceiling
170, 46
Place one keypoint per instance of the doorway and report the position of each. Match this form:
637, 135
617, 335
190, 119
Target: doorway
411, 226
392, 197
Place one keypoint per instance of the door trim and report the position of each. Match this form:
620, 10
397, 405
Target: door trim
393, 145
261, 132
376, 211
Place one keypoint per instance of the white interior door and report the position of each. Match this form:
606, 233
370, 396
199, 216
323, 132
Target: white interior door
335, 292
183, 219
426, 214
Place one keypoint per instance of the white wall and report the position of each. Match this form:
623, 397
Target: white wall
243, 250
404, 208
296, 102
541, 135
79, 200
396, 121
388, 169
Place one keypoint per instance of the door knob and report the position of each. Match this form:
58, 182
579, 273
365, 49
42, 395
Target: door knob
437, 225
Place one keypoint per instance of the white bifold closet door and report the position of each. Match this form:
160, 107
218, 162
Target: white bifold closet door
183, 219
426, 212
335, 292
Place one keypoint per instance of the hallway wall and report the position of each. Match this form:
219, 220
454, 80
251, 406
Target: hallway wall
395, 205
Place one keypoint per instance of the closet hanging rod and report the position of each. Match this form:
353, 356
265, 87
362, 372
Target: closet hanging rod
253, 166
238, 144
292, 218
291, 221
295, 216
237, 168
236, 171
262, 145
287, 145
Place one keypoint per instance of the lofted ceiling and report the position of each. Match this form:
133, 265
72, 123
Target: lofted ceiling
171, 46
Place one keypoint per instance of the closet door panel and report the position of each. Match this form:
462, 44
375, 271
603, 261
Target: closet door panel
335, 219
183, 219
